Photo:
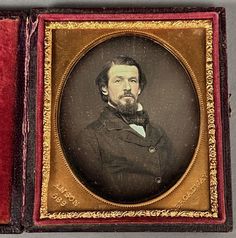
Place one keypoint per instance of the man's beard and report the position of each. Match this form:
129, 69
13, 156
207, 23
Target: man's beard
129, 111
129, 108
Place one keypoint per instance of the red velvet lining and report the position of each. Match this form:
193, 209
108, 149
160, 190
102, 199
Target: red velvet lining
126, 17
8, 73
218, 119
109, 17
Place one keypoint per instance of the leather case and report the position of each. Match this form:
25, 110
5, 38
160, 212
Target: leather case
56, 183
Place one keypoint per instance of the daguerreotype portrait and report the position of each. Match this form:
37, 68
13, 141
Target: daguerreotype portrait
119, 152
128, 119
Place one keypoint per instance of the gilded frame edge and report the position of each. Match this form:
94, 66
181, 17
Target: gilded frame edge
211, 133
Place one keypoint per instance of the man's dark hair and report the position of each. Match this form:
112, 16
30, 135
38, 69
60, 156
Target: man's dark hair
102, 79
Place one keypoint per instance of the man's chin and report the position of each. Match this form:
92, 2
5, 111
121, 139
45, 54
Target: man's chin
127, 101
127, 108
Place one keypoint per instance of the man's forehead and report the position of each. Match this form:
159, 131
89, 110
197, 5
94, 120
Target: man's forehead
126, 70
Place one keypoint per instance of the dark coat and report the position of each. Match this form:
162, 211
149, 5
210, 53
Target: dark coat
120, 165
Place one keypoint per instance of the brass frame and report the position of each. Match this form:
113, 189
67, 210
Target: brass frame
209, 111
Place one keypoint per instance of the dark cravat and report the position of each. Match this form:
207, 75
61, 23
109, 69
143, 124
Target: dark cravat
139, 118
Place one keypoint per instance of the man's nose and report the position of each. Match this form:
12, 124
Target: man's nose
127, 85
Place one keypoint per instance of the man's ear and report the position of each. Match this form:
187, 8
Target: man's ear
104, 90
139, 91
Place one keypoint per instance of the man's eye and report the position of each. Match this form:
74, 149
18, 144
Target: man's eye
134, 80
117, 80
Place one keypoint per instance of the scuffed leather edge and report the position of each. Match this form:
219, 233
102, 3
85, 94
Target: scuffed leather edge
31, 142
225, 114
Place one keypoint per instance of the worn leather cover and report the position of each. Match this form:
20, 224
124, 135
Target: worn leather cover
21, 94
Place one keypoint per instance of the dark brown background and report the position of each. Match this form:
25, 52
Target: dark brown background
169, 96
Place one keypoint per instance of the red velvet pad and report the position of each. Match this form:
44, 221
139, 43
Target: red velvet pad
8, 74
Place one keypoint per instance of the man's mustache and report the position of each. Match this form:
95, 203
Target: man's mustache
127, 95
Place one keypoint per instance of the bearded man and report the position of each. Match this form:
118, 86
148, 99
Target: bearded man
121, 156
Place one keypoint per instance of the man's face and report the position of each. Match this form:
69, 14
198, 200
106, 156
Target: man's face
123, 85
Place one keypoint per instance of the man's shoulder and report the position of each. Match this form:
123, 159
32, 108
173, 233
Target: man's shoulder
95, 125
100, 123
159, 134
157, 129
89, 132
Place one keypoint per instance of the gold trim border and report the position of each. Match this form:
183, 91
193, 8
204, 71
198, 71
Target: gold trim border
205, 24
120, 214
